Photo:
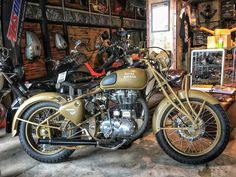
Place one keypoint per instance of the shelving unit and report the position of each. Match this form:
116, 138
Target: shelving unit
207, 67
213, 67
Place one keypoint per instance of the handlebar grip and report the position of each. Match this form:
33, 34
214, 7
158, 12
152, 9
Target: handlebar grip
138, 63
130, 52
101, 51
109, 62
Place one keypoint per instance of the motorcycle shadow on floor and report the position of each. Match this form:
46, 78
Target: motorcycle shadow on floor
144, 152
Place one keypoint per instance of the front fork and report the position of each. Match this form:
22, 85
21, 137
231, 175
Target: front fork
175, 100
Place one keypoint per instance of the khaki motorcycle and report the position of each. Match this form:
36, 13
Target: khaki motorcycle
190, 126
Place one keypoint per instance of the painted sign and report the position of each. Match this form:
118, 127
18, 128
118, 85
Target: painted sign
13, 14
14, 22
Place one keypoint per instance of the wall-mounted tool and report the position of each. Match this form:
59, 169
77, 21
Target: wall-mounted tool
33, 48
208, 13
60, 42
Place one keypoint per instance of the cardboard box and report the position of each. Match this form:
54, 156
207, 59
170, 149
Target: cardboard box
213, 41
227, 41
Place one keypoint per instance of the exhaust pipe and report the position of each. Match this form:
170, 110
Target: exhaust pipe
67, 142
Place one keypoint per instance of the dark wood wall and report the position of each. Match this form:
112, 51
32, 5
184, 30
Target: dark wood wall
55, 53
37, 68
85, 34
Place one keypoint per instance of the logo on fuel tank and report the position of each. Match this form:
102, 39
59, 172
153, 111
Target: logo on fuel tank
130, 76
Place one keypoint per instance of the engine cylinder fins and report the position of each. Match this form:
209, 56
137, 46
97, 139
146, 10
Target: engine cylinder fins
125, 97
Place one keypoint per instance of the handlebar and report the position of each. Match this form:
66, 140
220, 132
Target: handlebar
109, 62
133, 51
138, 63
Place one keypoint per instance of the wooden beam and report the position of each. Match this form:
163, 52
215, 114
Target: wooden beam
45, 36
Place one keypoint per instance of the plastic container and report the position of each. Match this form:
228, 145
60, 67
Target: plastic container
221, 43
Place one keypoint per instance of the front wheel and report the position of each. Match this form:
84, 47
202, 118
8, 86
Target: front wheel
186, 144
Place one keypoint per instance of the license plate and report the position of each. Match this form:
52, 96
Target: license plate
61, 77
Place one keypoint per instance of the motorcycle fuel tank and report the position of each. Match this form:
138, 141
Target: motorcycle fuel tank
130, 78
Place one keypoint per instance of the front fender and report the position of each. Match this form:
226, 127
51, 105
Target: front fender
165, 103
47, 96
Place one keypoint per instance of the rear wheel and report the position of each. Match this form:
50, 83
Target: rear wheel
194, 145
29, 134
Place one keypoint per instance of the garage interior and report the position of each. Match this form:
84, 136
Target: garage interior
199, 35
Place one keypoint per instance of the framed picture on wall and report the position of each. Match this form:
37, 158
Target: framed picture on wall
77, 4
209, 11
100, 6
161, 16
123, 8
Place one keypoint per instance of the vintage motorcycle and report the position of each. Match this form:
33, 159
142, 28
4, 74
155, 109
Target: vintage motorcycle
190, 126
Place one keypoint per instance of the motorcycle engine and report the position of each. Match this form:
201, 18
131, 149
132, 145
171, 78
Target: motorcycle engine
119, 121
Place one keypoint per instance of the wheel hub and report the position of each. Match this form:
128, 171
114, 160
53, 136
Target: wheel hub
42, 132
192, 132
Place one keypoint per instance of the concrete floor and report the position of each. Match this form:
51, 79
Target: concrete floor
144, 158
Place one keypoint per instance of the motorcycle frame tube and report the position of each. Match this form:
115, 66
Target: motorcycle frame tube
56, 98
47, 96
161, 81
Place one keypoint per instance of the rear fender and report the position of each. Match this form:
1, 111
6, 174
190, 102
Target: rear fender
47, 96
165, 103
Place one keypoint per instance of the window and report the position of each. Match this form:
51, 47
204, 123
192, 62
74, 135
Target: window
160, 16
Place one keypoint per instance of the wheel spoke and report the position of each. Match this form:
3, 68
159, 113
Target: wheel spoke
209, 119
179, 139
172, 132
208, 135
200, 144
193, 146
